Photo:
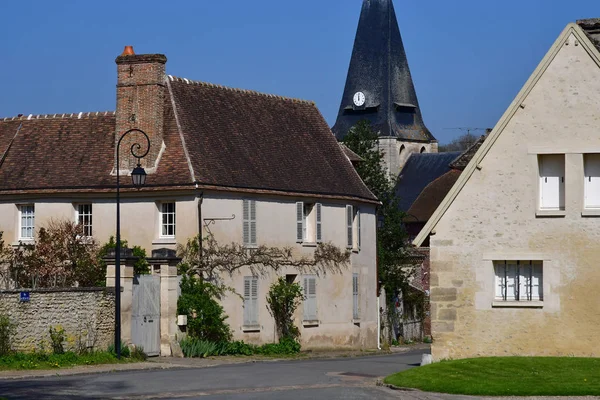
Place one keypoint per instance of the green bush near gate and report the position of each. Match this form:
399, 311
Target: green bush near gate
193, 347
506, 376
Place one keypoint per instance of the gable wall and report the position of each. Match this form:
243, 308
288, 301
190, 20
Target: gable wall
494, 218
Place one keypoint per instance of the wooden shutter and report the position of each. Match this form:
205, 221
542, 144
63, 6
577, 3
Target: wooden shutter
349, 234
300, 228
358, 239
250, 301
592, 180
319, 224
310, 298
253, 222
355, 311
246, 223
552, 181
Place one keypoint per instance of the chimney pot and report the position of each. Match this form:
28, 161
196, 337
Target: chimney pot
128, 51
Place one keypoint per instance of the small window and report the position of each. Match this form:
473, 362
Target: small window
84, 218
519, 281
552, 181
167, 220
27, 221
422, 149
353, 228
402, 148
250, 301
249, 223
592, 180
355, 309
310, 298
309, 228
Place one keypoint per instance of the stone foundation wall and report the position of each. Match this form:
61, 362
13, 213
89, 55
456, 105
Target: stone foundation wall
86, 314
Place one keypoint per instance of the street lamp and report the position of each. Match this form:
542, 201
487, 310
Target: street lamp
138, 176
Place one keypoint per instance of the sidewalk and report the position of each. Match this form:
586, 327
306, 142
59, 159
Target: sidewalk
173, 363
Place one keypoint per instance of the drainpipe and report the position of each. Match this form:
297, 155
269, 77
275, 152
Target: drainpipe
199, 200
378, 325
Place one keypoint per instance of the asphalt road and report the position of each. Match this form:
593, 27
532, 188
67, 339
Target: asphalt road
345, 378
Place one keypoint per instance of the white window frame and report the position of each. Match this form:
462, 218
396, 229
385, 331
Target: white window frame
310, 312
250, 302
166, 213
518, 282
249, 233
551, 204
30, 218
84, 218
591, 181
309, 223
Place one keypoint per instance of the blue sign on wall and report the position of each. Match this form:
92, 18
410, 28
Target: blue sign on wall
24, 297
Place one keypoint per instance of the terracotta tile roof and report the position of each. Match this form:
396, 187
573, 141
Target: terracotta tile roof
218, 138
352, 156
430, 198
249, 140
461, 161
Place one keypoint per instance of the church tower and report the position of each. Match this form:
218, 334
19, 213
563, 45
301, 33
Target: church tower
379, 88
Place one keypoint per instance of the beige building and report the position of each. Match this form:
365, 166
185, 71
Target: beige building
247, 167
514, 244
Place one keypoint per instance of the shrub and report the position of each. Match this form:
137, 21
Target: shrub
125, 352
141, 266
283, 299
7, 330
193, 347
57, 337
206, 317
138, 354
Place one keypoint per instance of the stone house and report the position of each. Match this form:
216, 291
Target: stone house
255, 168
514, 244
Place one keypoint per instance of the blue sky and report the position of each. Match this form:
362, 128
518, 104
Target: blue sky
469, 58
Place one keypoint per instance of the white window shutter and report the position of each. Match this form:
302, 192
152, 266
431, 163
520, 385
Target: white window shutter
349, 220
592, 180
358, 239
319, 223
246, 222
247, 300
300, 228
552, 181
253, 222
355, 313
537, 283
310, 298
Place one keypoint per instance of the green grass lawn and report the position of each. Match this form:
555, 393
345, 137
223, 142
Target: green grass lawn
22, 361
506, 376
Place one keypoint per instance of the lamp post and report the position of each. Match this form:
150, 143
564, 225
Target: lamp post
138, 176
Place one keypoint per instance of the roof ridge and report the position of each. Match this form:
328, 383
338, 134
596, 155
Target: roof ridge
247, 91
79, 115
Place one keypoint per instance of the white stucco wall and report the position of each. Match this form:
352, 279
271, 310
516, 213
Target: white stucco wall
494, 218
276, 226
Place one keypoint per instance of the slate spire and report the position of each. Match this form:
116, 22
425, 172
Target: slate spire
379, 86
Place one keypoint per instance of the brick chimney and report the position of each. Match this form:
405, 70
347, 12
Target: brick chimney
140, 104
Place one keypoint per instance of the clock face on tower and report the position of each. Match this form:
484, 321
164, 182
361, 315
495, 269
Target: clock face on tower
359, 99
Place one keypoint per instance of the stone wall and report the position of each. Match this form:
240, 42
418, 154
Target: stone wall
86, 314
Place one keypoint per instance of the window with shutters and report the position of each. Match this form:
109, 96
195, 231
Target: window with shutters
249, 223
310, 299
250, 302
518, 281
167, 220
26, 222
84, 218
355, 304
353, 228
309, 226
552, 181
591, 181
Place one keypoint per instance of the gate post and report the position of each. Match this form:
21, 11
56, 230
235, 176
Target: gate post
126, 287
167, 260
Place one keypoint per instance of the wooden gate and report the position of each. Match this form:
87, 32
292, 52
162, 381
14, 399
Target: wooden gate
145, 313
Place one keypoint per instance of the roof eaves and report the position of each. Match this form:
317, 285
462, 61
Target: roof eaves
503, 122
